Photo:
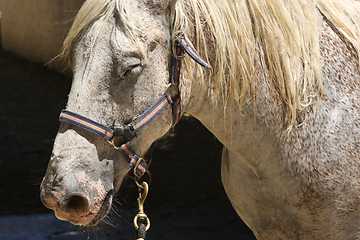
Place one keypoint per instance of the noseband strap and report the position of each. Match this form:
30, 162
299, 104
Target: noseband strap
129, 131
86, 124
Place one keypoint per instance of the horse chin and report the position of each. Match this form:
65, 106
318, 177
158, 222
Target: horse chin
104, 210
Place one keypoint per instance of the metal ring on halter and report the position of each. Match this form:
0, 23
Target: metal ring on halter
174, 40
171, 93
149, 180
112, 142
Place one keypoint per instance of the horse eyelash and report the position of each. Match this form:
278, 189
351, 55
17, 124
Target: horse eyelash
127, 72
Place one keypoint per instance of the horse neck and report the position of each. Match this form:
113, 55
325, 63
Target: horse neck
213, 114
236, 126
251, 133
227, 120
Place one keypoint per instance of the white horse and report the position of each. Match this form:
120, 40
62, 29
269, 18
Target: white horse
283, 99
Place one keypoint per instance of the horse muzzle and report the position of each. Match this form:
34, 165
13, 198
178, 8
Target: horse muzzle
81, 201
77, 190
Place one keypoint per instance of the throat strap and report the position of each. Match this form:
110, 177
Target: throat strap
174, 81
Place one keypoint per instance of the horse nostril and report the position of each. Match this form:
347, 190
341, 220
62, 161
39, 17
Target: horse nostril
75, 205
77, 202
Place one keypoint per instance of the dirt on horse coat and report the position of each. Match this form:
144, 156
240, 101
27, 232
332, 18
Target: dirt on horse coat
282, 98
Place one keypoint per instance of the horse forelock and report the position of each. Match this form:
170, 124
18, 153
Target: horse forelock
94, 14
234, 32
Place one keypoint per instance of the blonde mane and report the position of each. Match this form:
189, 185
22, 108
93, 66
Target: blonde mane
285, 31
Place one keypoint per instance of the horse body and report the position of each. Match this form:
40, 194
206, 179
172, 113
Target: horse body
306, 185
302, 184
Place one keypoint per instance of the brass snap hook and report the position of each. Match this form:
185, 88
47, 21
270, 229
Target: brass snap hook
141, 216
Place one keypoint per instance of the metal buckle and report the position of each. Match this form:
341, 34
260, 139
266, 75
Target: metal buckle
175, 43
173, 90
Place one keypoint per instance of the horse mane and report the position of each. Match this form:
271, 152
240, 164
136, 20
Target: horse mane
284, 31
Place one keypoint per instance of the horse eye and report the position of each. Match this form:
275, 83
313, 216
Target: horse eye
131, 71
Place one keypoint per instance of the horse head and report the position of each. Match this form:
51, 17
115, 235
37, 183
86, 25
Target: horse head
120, 68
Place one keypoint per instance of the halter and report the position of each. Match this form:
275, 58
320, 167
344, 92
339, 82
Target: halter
129, 131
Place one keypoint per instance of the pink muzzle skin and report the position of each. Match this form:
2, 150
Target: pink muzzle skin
78, 207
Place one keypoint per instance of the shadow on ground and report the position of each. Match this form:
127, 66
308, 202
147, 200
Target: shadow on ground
186, 199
